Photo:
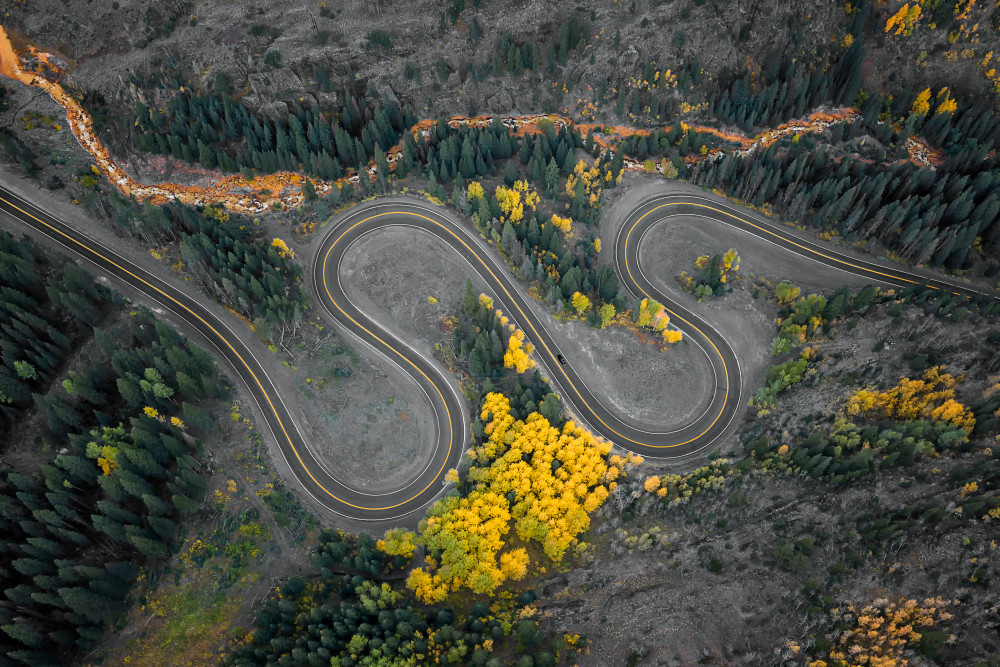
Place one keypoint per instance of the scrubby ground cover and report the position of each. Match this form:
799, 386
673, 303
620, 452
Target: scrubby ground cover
863, 496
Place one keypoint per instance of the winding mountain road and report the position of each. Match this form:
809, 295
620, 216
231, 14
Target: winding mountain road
450, 411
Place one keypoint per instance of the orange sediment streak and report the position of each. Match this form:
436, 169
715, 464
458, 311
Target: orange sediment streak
238, 194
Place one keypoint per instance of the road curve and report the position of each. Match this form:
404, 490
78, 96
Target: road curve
338, 495
509, 297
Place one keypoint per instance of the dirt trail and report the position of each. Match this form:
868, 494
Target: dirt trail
241, 195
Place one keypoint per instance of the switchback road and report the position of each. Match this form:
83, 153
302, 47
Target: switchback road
450, 412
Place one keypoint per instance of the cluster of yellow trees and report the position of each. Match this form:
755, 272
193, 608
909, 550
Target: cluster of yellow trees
678, 489
518, 354
905, 20
591, 179
931, 397
653, 315
922, 104
283, 248
882, 631
513, 200
540, 480
581, 304
562, 224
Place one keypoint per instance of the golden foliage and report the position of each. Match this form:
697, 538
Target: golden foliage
283, 248
904, 20
922, 104
672, 336
581, 303
946, 103
398, 542
428, 587
880, 633
931, 397
513, 200
543, 480
590, 177
518, 353
562, 224
475, 191
514, 564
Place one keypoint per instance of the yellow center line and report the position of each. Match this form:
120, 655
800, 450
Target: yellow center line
222, 338
525, 318
788, 239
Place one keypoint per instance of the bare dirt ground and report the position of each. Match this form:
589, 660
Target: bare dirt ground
396, 274
649, 597
392, 273
365, 420
660, 605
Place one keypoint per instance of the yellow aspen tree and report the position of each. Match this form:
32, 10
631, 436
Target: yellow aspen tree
672, 335
564, 225
607, 314
514, 564
581, 303
283, 249
922, 104
475, 192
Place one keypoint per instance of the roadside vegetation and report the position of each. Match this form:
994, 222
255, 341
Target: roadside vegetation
854, 521
119, 462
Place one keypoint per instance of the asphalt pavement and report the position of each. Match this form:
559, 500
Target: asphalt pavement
338, 495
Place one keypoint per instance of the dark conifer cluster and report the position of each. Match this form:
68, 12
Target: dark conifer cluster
123, 469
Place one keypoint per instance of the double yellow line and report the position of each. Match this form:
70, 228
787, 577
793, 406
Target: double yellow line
194, 315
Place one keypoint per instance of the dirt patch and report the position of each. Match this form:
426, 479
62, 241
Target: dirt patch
366, 421
644, 386
640, 383
407, 279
